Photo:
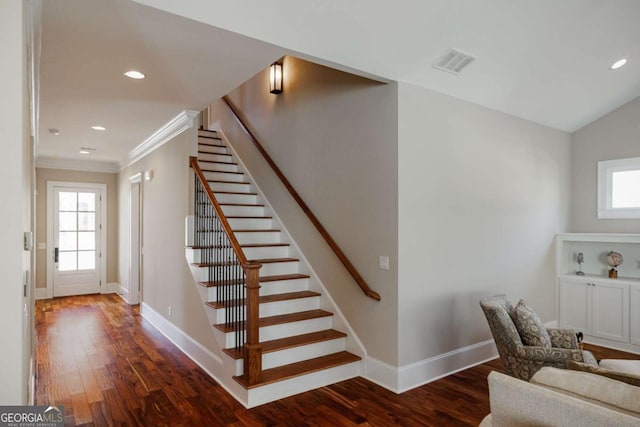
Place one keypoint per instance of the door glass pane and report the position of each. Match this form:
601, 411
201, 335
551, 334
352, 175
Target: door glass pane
87, 240
86, 202
67, 241
86, 260
67, 261
68, 221
86, 221
68, 201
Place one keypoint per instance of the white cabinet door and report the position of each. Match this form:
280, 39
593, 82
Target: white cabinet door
634, 295
611, 311
575, 304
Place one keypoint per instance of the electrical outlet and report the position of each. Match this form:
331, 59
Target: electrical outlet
383, 262
170, 311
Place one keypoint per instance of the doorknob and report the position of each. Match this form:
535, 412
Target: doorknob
55, 255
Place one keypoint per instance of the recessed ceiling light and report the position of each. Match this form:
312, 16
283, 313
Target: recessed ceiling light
85, 151
98, 128
618, 64
135, 74
54, 131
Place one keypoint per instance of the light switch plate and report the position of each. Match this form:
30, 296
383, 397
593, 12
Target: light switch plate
383, 262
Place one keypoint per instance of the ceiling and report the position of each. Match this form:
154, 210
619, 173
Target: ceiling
87, 45
542, 60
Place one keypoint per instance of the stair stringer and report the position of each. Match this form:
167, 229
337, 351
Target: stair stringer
353, 343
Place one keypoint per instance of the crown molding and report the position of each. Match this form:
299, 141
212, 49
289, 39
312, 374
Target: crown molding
171, 129
77, 165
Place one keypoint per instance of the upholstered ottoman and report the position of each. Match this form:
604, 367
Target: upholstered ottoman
621, 365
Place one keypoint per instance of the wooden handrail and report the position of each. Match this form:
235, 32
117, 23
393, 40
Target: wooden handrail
193, 162
314, 220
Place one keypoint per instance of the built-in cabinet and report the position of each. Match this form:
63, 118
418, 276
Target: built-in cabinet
606, 310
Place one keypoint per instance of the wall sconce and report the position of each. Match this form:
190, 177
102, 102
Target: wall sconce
275, 78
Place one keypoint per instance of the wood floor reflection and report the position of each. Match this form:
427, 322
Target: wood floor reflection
106, 365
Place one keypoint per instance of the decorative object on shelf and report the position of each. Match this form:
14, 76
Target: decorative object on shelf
614, 259
580, 260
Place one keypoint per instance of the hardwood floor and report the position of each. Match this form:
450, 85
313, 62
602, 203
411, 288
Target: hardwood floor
108, 366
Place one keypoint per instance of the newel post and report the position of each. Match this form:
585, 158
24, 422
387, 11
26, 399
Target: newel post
252, 348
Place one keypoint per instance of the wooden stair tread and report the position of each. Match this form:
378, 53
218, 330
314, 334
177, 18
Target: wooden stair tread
217, 171
278, 277
251, 230
262, 245
220, 163
215, 264
234, 192
249, 217
291, 342
263, 279
246, 245
265, 299
205, 144
272, 260
210, 137
228, 182
240, 204
285, 372
217, 154
281, 319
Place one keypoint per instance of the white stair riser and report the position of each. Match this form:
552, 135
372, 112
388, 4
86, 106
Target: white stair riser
274, 332
266, 252
250, 223
297, 354
281, 389
215, 157
236, 198
243, 210
228, 186
202, 273
220, 167
277, 268
200, 255
223, 176
287, 356
258, 237
207, 132
270, 288
211, 149
273, 308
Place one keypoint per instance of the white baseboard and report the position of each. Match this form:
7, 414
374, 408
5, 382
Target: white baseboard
211, 363
404, 378
111, 288
40, 293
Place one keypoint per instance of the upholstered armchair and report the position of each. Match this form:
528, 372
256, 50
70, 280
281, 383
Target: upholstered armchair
520, 360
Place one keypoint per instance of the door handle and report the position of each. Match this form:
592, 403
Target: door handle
55, 255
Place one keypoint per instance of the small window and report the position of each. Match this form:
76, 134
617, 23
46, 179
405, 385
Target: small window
619, 188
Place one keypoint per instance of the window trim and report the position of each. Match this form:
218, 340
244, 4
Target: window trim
606, 168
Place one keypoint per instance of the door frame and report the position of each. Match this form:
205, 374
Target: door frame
103, 232
135, 252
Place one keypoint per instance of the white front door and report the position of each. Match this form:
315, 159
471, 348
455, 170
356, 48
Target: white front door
76, 240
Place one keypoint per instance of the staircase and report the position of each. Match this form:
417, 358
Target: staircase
300, 346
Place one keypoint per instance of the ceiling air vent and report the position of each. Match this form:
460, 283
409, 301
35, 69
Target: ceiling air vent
453, 61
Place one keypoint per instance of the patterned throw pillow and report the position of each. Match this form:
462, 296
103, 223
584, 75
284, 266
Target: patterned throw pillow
530, 327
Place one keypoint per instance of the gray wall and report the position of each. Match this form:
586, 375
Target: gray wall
166, 279
111, 180
614, 136
334, 135
481, 197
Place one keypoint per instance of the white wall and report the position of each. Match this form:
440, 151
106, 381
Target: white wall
166, 278
614, 136
15, 213
334, 135
481, 196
